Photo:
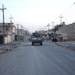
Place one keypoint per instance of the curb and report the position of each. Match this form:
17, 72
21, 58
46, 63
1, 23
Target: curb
66, 46
3, 51
9, 47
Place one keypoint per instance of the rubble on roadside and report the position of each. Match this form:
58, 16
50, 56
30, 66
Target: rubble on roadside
8, 47
67, 44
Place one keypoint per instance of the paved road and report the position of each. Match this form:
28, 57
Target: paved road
48, 59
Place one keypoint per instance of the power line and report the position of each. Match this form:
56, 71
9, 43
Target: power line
64, 12
68, 8
10, 15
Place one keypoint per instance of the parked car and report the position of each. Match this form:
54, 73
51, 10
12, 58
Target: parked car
54, 39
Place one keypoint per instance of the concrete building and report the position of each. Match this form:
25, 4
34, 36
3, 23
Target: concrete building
67, 32
21, 34
9, 33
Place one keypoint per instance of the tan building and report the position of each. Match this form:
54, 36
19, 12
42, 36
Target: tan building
9, 33
66, 31
21, 33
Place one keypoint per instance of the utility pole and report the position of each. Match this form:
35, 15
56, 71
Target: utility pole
11, 27
61, 19
17, 29
52, 24
3, 8
48, 26
11, 19
21, 30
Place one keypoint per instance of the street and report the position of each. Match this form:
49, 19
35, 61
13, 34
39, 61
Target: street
48, 59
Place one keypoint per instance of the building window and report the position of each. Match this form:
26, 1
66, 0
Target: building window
7, 29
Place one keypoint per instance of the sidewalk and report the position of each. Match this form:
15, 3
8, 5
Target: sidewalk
67, 44
8, 47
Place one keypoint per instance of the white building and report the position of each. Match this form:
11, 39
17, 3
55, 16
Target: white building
8, 35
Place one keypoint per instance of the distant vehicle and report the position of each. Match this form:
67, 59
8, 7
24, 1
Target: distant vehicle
36, 38
54, 39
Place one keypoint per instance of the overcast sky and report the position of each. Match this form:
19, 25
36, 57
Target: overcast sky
35, 14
